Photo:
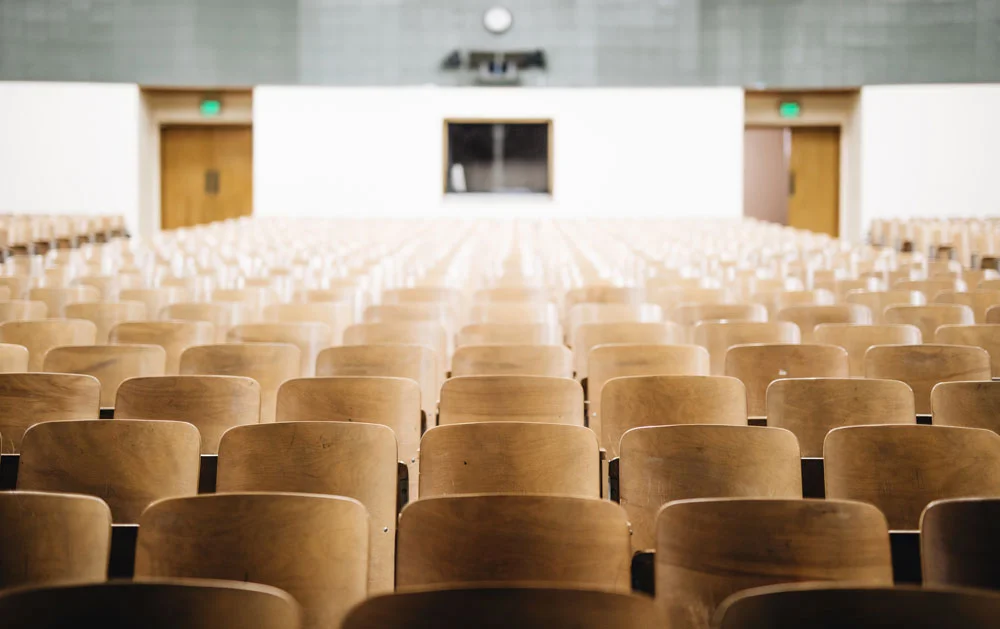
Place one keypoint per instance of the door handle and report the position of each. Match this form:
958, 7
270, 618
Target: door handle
791, 183
212, 182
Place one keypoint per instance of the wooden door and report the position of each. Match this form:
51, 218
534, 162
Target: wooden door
814, 180
206, 174
765, 174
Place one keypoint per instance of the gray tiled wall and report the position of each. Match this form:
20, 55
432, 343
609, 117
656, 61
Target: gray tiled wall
776, 43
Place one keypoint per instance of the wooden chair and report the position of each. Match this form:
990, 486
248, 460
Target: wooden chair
41, 336
13, 358
598, 313
55, 299
510, 458
334, 458
878, 301
152, 604
808, 317
427, 333
127, 463
336, 314
213, 404
108, 285
776, 301
718, 336
16, 285
930, 317
440, 312
660, 464
901, 469
52, 538
173, 336
515, 294
812, 407
222, 315
930, 288
110, 364
958, 545
617, 361
156, 299
986, 336
270, 364
421, 294
992, 315
967, 404
30, 398
857, 339
392, 402
316, 549
834, 606
513, 539
599, 294
923, 366
589, 336
757, 366
979, 300
415, 362
690, 314
511, 398
516, 313
310, 338
509, 334
22, 310
105, 316
504, 607
708, 549
253, 299
555, 361
639, 401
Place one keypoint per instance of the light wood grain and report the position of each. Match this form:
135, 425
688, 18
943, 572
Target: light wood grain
589, 336
23, 310
421, 294
127, 463
718, 336
270, 364
152, 604
173, 336
878, 301
901, 469
509, 458
335, 458
511, 398
513, 360
52, 538
213, 404
30, 398
856, 339
709, 549
509, 334
993, 315
979, 300
930, 288
603, 313
310, 338
427, 333
156, 299
621, 360
415, 362
923, 366
515, 294
41, 336
986, 336
502, 538
504, 607
665, 463
690, 314
812, 407
777, 300
55, 299
968, 404
222, 315
808, 317
336, 314
958, 543
13, 358
930, 317
316, 546
834, 606
637, 401
17, 285
757, 366
514, 313
110, 364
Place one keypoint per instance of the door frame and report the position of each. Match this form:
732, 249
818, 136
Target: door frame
821, 108
160, 107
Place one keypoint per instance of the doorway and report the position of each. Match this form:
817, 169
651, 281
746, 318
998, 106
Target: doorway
206, 174
792, 176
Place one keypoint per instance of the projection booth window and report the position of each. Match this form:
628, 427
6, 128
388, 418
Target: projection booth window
498, 156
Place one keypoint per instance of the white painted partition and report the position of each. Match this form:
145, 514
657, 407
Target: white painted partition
69, 148
930, 150
379, 151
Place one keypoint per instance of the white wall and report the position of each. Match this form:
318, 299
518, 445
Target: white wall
69, 148
931, 150
378, 151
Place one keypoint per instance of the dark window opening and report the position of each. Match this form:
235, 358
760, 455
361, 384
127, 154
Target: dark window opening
498, 157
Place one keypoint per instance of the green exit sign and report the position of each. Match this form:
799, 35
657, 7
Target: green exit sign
210, 107
789, 109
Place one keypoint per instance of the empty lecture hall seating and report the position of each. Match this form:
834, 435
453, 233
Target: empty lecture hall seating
308, 423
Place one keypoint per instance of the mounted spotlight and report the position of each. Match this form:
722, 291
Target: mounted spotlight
487, 67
